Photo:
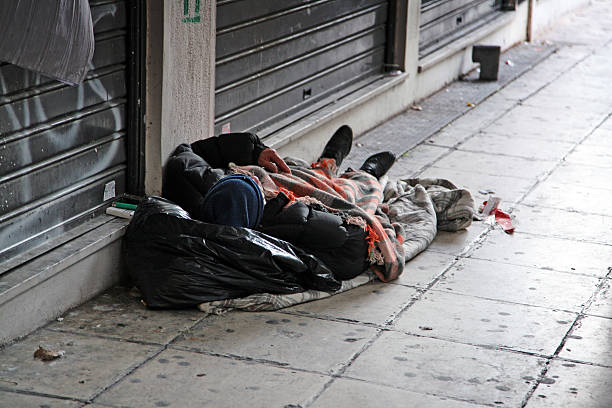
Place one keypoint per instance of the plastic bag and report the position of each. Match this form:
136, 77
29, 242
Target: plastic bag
54, 38
176, 261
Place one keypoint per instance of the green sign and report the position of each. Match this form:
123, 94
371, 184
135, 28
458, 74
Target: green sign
188, 17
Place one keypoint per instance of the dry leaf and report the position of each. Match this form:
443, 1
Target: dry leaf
48, 355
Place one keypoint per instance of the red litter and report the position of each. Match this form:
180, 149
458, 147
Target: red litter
502, 218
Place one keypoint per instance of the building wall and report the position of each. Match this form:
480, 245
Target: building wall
180, 78
416, 86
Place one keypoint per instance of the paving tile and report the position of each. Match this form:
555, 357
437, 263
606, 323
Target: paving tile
366, 146
9, 399
602, 304
182, 379
486, 322
607, 125
567, 105
600, 137
518, 284
403, 168
592, 70
579, 117
485, 113
446, 369
372, 303
546, 124
546, 253
593, 156
573, 385
455, 243
565, 57
284, 339
563, 224
576, 198
449, 136
591, 35
462, 94
345, 393
494, 165
582, 176
454, 97
578, 90
89, 365
538, 130
509, 189
557, 64
402, 133
118, 314
524, 86
590, 341
423, 154
424, 268
517, 146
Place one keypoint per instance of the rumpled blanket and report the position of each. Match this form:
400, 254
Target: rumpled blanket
354, 193
418, 207
454, 206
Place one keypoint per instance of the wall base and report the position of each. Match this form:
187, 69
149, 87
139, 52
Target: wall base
44, 288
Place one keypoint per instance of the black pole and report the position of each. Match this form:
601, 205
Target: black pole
136, 76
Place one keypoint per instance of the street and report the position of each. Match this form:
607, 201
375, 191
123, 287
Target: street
480, 318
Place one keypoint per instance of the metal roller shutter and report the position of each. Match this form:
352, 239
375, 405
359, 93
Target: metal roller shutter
443, 21
60, 146
274, 57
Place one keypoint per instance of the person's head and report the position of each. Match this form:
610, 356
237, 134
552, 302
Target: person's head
234, 200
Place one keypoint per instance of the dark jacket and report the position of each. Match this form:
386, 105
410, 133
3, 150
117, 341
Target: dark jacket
192, 169
341, 246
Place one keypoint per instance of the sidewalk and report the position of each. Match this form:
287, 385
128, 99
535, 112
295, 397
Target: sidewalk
481, 318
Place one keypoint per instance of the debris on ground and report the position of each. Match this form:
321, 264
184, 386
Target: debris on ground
489, 206
470, 104
416, 107
486, 191
504, 220
490, 210
509, 63
48, 355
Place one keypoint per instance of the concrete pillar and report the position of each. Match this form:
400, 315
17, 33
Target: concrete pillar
411, 61
180, 79
153, 102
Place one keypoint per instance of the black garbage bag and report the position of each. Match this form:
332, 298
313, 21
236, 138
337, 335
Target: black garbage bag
176, 261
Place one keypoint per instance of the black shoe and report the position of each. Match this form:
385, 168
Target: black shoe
379, 164
339, 145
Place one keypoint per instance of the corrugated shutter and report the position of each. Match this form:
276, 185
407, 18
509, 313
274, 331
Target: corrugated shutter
443, 21
274, 57
60, 145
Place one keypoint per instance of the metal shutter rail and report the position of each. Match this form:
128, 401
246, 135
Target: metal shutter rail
60, 145
276, 57
442, 21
